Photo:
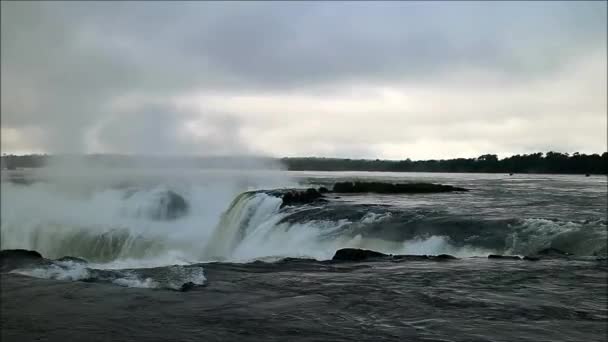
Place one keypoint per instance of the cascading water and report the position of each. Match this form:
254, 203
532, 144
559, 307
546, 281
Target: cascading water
247, 212
165, 223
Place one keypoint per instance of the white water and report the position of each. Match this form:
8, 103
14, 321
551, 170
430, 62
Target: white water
74, 271
115, 231
117, 227
60, 271
111, 220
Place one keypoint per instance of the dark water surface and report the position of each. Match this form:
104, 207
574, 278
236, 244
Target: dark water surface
463, 300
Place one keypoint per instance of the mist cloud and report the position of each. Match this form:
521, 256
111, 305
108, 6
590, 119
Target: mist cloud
393, 80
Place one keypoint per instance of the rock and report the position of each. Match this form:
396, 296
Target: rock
505, 257
296, 260
355, 254
187, 286
389, 188
174, 204
323, 190
19, 254
547, 253
552, 252
444, 257
162, 205
15, 258
72, 259
409, 257
301, 197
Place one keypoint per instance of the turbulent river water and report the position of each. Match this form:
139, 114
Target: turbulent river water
262, 271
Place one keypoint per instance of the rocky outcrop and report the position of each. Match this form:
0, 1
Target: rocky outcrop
172, 206
504, 257
444, 257
11, 259
187, 287
22, 254
356, 254
390, 188
301, 197
72, 259
312, 195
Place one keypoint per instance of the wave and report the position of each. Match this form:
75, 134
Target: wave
117, 228
177, 277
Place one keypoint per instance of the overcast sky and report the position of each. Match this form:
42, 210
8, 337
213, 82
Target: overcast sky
391, 80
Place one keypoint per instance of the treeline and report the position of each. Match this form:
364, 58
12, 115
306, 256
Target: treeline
551, 162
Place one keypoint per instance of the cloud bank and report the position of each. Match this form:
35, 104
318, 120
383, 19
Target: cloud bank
375, 80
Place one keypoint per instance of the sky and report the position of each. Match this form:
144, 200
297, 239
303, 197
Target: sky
394, 80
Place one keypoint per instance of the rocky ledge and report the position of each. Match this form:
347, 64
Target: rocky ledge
355, 254
312, 195
390, 188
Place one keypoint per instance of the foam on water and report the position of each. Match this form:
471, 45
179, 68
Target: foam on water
60, 271
127, 224
147, 283
171, 277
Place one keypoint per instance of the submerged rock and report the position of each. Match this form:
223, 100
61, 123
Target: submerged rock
172, 206
390, 188
445, 257
408, 257
552, 252
187, 286
547, 253
505, 257
72, 259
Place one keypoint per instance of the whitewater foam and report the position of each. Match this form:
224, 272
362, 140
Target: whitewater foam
580, 238
119, 227
171, 277
59, 271
147, 283
119, 219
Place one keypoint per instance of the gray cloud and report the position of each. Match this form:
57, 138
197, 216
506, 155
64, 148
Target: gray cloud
65, 66
162, 129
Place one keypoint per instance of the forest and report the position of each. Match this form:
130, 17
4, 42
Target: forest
550, 162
